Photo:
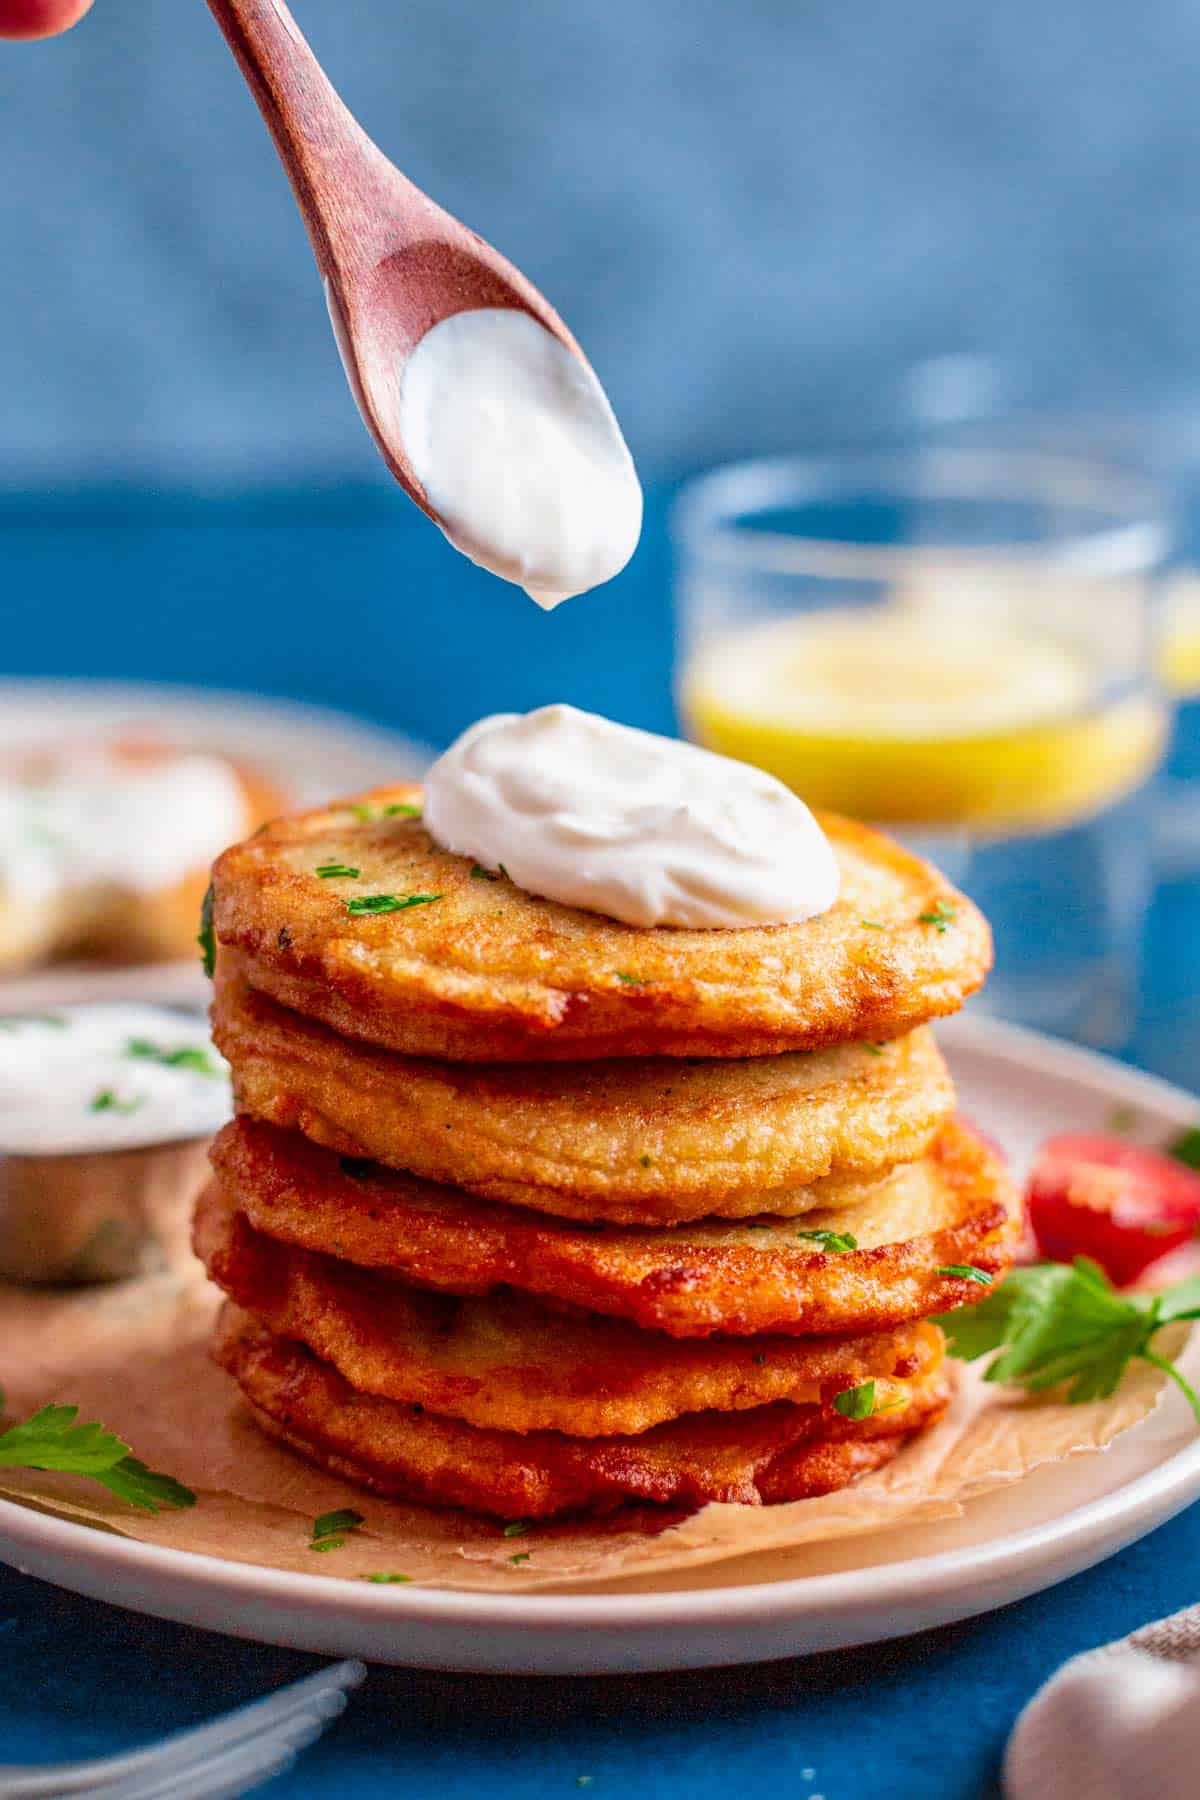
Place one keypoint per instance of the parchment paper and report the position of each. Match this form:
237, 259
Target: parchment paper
135, 1356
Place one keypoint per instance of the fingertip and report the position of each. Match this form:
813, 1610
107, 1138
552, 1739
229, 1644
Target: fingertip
30, 19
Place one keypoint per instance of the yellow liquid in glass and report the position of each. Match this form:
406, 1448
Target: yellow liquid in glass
909, 721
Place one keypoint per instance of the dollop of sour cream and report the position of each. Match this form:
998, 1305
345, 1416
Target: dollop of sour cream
642, 828
95, 819
519, 452
110, 1077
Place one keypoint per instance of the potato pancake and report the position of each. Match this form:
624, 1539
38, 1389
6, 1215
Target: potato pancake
956, 1207
644, 1142
764, 1456
402, 944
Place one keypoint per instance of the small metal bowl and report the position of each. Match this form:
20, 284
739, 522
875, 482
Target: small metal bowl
98, 1215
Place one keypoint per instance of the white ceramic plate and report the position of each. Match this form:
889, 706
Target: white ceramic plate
1019, 1088
309, 752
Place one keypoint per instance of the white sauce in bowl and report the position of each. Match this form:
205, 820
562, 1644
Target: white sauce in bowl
87, 1078
520, 455
94, 819
645, 829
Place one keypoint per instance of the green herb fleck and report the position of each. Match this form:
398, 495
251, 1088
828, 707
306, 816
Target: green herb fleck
832, 1243
1059, 1323
53, 1439
388, 903
14, 1021
941, 917
331, 1523
358, 1168
873, 924
387, 1580
207, 936
1186, 1147
630, 980
336, 871
479, 873
505, 873
521, 1557
517, 1528
1123, 1118
759, 1359
875, 1049
965, 1272
647, 1162
189, 1056
402, 809
856, 1402
107, 1101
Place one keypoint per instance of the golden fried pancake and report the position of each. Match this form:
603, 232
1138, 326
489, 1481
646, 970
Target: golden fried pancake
480, 971
770, 1454
504, 1360
955, 1207
644, 1142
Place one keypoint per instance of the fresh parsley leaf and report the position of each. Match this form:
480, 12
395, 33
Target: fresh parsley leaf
629, 980
388, 903
833, 1243
328, 1543
479, 873
207, 936
521, 1557
856, 1402
1186, 1147
875, 1049
965, 1272
517, 1528
402, 809
53, 1439
872, 924
106, 1100
337, 871
386, 1580
1060, 1323
189, 1056
333, 1524
941, 917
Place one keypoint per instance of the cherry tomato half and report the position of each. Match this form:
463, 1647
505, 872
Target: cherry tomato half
1119, 1203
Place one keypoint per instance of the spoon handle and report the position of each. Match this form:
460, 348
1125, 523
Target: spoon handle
337, 174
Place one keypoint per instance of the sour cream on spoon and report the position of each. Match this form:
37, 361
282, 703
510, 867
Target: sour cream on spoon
642, 828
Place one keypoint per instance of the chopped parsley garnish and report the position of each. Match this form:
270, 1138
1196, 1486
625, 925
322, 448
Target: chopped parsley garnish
516, 1528
336, 871
1065, 1323
188, 1056
873, 924
941, 917
207, 937
479, 873
14, 1021
856, 1402
965, 1272
1186, 1147
875, 1049
833, 1243
329, 1531
1124, 1118
358, 1168
630, 980
402, 809
53, 1439
108, 1101
386, 1580
521, 1557
388, 903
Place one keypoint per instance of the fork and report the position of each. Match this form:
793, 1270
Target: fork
217, 1761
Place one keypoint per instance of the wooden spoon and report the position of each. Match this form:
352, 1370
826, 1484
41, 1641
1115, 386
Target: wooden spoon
393, 262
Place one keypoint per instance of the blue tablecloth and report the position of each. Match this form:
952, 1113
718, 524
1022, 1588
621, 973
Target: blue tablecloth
351, 600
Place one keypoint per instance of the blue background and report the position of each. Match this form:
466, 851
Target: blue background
754, 213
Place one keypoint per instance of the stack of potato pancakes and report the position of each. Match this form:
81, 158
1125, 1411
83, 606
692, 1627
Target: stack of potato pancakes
532, 1212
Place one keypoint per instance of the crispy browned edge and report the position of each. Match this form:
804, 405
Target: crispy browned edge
773, 1454
446, 1239
894, 981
